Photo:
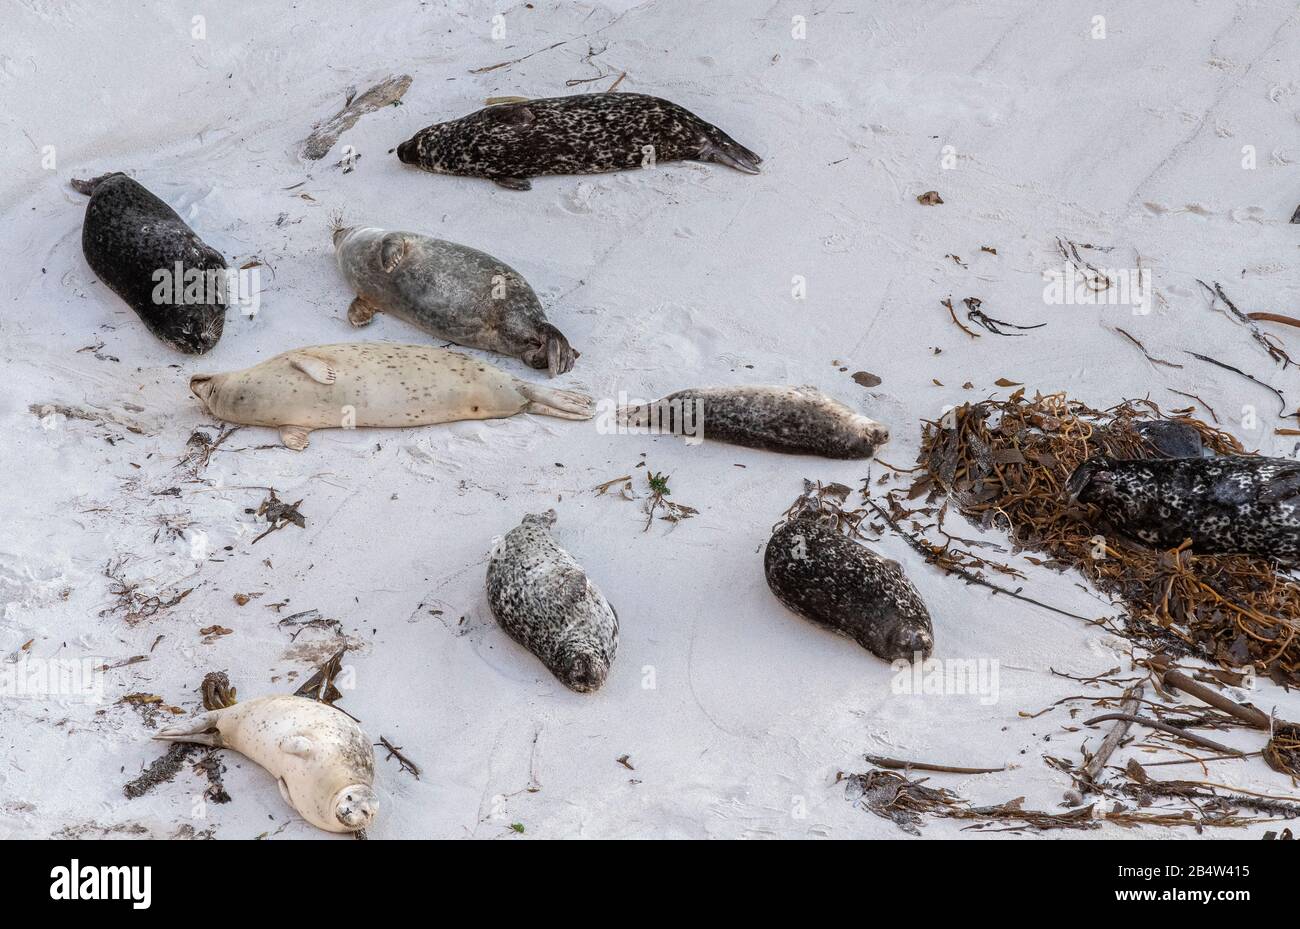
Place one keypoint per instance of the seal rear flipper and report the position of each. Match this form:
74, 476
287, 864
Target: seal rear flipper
559, 355
513, 183
566, 404
88, 186
722, 149
294, 437
360, 312
318, 369
202, 730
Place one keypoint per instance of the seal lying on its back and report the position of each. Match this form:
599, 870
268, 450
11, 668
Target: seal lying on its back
374, 384
322, 760
128, 236
798, 420
451, 291
824, 576
581, 134
1234, 504
543, 600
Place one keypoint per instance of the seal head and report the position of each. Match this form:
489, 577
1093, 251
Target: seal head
355, 806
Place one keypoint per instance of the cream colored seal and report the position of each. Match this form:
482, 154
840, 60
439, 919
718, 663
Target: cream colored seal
374, 384
323, 760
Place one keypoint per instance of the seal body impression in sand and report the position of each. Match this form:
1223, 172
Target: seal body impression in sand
374, 384
322, 759
136, 244
581, 134
824, 576
1225, 505
450, 291
543, 600
797, 420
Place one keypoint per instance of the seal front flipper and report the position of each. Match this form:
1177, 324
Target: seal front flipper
361, 312
391, 251
318, 369
294, 437
513, 183
298, 745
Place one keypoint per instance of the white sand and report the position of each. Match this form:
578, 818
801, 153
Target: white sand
736, 714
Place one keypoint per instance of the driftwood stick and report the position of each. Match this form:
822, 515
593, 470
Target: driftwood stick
893, 764
1165, 727
1178, 680
1128, 709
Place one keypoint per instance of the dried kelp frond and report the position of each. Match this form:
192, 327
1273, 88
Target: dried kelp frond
1005, 464
1283, 750
896, 798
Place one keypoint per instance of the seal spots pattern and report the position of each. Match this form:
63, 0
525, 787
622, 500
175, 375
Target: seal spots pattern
1233, 504
580, 134
450, 291
543, 600
128, 235
821, 574
795, 420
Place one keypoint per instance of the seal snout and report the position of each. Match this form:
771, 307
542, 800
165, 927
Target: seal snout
586, 673
356, 806
912, 645
407, 152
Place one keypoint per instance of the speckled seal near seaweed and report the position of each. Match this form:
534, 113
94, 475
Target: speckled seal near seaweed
821, 574
128, 237
580, 134
544, 601
450, 291
1229, 504
795, 420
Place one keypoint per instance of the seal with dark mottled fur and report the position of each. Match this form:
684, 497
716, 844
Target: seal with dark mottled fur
581, 134
451, 291
1230, 504
796, 420
128, 237
543, 600
821, 574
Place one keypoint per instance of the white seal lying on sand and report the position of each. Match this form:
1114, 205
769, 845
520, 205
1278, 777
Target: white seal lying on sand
450, 291
374, 384
322, 759
543, 600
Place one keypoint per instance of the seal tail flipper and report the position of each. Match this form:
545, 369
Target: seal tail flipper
566, 404
88, 186
722, 149
560, 355
294, 437
202, 729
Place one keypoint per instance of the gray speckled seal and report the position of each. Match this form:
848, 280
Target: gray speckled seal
796, 420
580, 134
450, 291
824, 576
543, 600
1231, 504
129, 235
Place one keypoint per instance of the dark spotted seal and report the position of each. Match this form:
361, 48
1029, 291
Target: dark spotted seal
149, 257
450, 291
821, 574
543, 600
1232, 504
581, 134
797, 420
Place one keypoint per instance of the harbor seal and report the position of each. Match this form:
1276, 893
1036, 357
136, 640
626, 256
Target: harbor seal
451, 291
321, 758
148, 256
544, 601
383, 384
580, 134
795, 420
821, 574
1229, 504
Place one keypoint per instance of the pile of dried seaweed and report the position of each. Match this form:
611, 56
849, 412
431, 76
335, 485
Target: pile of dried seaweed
1005, 464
